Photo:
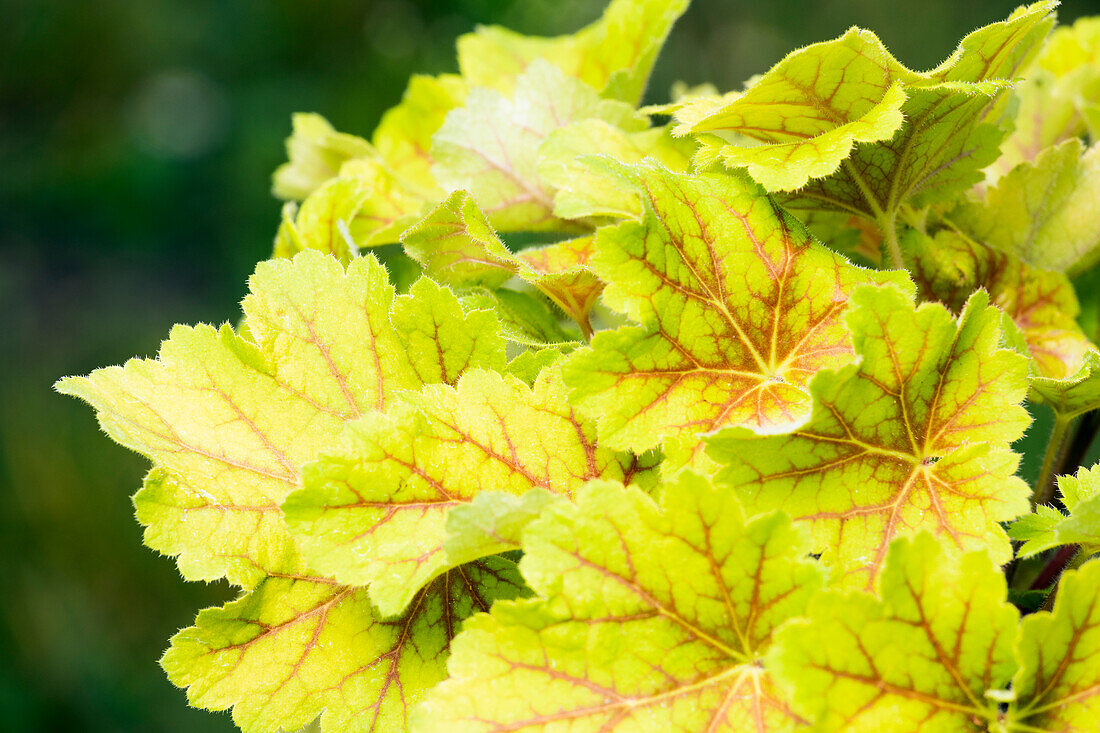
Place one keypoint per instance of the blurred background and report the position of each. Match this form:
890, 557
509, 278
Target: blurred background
137, 139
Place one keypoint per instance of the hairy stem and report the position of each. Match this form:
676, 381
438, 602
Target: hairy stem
1056, 447
890, 236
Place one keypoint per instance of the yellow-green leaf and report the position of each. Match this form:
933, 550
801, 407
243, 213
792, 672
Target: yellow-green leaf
489, 147
1058, 685
295, 648
915, 437
228, 422
803, 116
647, 620
920, 657
614, 54
456, 244
1042, 304
738, 308
373, 509
1043, 211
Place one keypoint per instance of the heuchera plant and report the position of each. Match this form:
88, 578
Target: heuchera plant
697, 417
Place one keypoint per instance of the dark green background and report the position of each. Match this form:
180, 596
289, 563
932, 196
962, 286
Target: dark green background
137, 138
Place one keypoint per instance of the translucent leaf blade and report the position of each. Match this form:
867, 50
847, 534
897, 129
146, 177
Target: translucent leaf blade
676, 606
913, 438
374, 511
920, 657
295, 648
739, 309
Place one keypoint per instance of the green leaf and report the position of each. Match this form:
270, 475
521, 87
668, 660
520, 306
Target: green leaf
1042, 304
1041, 211
915, 437
1058, 684
646, 619
490, 146
615, 54
492, 523
1059, 96
525, 319
528, 365
295, 648
1075, 394
1048, 527
373, 510
456, 244
739, 308
802, 118
947, 137
920, 657
583, 186
403, 137
228, 422
315, 151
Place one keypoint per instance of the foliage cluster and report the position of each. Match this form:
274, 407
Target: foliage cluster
688, 417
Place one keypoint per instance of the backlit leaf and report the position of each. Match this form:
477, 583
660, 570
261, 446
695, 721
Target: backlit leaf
802, 117
315, 151
584, 188
228, 422
456, 244
646, 620
1048, 527
1058, 684
374, 510
489, 147
947, 137
738, 307
1042, 303
1043, 211
403, 137
295, 648
1075, 394
919, 658
613, 55
915, 437
1059, 96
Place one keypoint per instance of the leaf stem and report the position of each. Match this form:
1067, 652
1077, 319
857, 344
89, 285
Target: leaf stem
1056, 447
1078, 560
890, 236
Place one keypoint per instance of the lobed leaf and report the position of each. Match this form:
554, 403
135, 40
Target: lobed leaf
800, 120
947, 138
613, 55
373, 511
915, 437
228, 422
315, 152
1041, 211
1059, 97
295, 648
490, 146
456, 244
920, 657
584, 187
949, 267
1080, 525
738, 309
646, 619
1058, 684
